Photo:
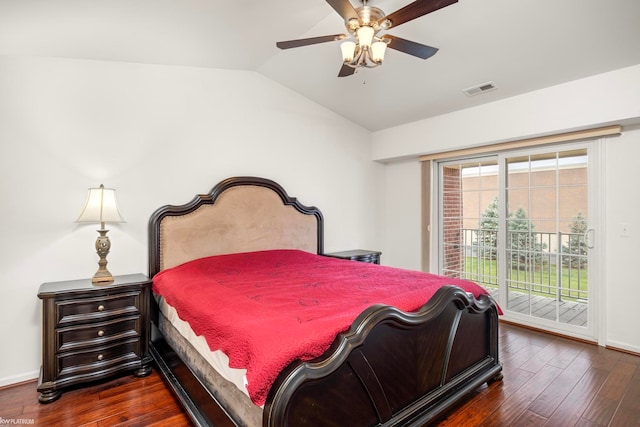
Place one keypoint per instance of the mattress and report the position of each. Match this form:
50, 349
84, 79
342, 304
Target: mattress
230, 393
217, 359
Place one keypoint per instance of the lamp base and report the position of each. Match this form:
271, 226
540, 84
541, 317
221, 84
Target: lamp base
102, 277
103, 244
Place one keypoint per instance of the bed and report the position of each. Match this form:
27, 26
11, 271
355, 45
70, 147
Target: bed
389, 367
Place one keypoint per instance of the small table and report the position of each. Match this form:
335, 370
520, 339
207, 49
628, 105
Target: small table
91, 332
362, 255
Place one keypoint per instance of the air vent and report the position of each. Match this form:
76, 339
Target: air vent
481, 88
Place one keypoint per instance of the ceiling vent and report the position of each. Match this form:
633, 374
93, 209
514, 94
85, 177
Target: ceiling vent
481, 88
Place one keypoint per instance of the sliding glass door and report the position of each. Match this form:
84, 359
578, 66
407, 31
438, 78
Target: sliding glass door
518, 224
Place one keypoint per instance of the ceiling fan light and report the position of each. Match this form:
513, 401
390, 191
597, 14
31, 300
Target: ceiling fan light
365, 35
348, 50
377, 51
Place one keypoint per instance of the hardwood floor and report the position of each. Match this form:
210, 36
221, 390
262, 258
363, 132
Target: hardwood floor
548, 380
126, 401
554, 381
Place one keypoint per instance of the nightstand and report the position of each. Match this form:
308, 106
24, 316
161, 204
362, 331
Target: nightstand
372, 257
91, 332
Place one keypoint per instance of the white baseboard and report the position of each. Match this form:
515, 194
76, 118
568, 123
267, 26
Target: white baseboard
19, 378
623, 346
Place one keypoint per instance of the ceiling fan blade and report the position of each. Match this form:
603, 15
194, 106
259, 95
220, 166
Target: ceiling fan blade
414, 10
344, 9
312, 40
412, 48
346, 71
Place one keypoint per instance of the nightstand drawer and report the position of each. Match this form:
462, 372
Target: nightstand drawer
101, 358
97, 308
75, 337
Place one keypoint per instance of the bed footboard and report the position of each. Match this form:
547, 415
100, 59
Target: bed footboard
393, 368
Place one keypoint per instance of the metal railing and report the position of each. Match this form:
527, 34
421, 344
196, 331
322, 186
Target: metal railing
548, 264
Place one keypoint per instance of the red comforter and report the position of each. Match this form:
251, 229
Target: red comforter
267, 309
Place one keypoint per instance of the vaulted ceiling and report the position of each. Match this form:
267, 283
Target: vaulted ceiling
520, 45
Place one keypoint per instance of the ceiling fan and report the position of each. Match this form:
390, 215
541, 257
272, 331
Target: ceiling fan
363, 24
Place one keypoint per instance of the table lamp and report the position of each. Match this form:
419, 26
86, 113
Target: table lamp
101, 208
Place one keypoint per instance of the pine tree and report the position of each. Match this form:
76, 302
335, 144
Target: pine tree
522, 240
487, 238
577, 245
525, 249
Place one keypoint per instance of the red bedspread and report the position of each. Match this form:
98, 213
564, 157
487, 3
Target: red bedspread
267, 309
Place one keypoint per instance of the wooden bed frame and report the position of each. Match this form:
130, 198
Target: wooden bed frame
390, 368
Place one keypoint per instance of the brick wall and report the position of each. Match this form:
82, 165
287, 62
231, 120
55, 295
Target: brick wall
571, 197
452, 217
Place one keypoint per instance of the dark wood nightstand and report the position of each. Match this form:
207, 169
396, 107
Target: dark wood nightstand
91, 332
363, 255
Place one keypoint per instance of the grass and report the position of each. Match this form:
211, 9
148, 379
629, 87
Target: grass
542, 281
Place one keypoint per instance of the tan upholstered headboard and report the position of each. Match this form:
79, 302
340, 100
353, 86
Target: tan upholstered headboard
239, 214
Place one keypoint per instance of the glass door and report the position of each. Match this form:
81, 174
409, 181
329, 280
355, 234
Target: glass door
546, 250
518, 224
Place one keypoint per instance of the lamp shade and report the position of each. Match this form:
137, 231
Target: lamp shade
365, 35
100, 206
348, 51
377, 51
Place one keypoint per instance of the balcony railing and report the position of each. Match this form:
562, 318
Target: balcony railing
546, 264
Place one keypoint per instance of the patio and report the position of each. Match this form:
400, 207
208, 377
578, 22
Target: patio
573, 313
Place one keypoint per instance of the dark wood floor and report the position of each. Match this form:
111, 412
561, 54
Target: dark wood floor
554, 381
548, 381
126, 401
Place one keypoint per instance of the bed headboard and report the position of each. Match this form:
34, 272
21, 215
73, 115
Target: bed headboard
239, 214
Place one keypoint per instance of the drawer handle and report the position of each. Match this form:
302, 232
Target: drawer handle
100, 333
100, 357
101, 307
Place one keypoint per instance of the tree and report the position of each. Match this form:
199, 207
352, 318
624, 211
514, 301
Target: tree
522, 240
574, 254
487, 237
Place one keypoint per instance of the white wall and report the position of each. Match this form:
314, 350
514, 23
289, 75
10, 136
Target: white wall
595, 101
609, 98
158, 135
622, 205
